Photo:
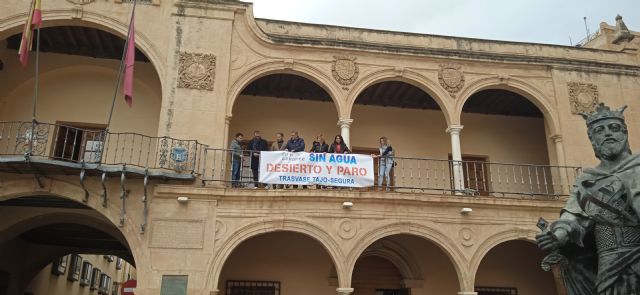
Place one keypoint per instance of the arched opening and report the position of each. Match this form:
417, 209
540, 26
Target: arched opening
414, 123
282, 102
277, 263
404, 264
53, 245
513, 267
78, 71
505, 145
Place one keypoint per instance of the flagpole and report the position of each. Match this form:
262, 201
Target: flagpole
118, 80
35, 92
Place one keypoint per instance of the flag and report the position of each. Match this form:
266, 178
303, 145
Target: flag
129, 60
33, 19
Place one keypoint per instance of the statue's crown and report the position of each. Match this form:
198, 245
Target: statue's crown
603, 112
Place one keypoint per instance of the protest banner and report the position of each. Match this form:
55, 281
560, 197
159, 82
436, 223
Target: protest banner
348, 170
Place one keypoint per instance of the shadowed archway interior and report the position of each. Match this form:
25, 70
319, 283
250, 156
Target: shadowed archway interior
77, 40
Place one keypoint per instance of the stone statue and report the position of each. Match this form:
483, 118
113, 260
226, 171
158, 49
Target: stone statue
596, 241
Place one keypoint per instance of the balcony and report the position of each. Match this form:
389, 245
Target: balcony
43, 148
430, 176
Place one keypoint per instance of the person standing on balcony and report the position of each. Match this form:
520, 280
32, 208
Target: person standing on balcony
236, 159
279, 144
338, 146
386, 161
257, 145
319, 145
295, 144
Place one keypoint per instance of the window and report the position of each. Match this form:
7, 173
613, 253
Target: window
85, 277
496, 291
253, 288
95, 278
105, 284
59, 266
75, 267
75, 142
119, 262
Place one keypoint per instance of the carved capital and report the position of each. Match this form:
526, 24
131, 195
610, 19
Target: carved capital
583, 97
557, 138
344, 291
455, 129
345, 123
196, 71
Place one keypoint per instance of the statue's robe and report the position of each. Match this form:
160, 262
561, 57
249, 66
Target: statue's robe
607, 225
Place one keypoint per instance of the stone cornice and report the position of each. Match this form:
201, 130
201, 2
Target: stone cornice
212, 193
572, 64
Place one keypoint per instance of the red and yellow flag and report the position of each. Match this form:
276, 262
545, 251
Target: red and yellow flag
34, 19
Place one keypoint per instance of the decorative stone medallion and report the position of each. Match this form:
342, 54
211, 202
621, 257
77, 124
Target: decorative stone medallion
347, 229
466, 236
345, 70
583, 97
451, 78
196, 71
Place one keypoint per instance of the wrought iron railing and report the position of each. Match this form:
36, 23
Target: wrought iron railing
427, 175
96, 147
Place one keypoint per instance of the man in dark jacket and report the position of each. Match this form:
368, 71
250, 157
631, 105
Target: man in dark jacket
256, 145
295, 143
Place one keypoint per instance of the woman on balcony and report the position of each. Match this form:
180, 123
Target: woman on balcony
338, 146
385, 163
319, 145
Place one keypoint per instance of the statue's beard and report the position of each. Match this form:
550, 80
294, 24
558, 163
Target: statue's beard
610, 149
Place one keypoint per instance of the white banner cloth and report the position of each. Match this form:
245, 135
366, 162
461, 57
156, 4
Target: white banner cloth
302, 168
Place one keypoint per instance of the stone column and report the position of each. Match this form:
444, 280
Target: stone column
467, 293
559, 146
345, 127
344, 291
456, 157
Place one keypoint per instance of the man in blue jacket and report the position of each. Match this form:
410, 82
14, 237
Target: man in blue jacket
295, 144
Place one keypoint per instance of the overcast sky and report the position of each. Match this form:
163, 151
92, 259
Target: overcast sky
538, 21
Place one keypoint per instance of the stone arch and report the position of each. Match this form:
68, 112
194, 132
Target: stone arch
521, 87
62, 189
440, 239
495, 240
232, 240
283, 67
400, 257
410, 77
67, 17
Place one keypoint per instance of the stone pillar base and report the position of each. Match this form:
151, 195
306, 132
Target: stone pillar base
467, 293
344, 291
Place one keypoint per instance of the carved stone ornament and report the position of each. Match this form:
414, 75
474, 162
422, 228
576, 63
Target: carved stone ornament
451, 78
80, 2
583, 97
347, 229
196, 71
467, 237
345, 70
